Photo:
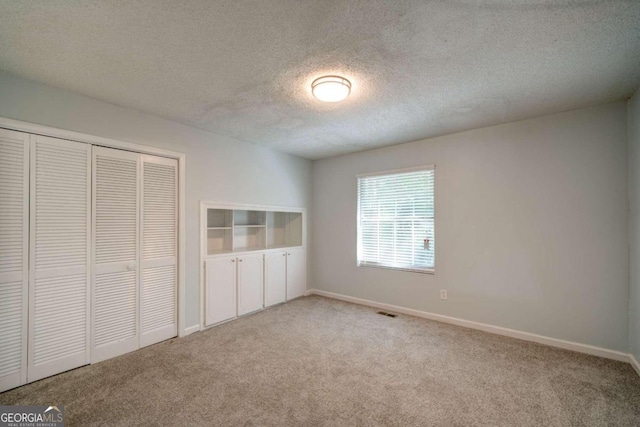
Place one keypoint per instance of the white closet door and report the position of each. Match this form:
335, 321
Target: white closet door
59, 256
115, 269
158, 304
14, 251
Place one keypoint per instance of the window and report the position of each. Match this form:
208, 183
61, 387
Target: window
396, 219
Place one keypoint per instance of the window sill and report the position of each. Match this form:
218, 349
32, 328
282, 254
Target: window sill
408, 270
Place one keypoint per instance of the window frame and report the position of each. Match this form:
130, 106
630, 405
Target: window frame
426, 270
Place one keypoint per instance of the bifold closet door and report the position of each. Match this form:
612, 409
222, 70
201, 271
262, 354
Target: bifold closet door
14, 255
59, 256
158, 288
115, 270
135, 235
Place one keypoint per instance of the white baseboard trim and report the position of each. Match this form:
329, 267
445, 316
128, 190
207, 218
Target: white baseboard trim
191, 329
634, 363
526, 336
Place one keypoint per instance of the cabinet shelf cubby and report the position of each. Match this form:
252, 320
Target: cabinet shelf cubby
235, 230
252, 257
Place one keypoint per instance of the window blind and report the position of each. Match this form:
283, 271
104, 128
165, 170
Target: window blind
396, 220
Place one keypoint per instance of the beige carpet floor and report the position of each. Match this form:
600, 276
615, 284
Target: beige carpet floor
319, 362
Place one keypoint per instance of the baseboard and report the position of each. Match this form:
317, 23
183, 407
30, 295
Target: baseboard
635, 364
553, 342
191, 329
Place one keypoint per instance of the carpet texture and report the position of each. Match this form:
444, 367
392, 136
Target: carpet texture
320, 362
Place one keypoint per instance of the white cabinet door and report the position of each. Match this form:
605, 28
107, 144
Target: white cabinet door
14, 255
158, 291
60, 219
275, 278
220, 276
115, 271
250, 283
296, 273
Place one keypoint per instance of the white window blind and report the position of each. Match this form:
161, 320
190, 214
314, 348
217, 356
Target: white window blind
396, 220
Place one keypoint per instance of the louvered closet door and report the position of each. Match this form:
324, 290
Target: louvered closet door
158, 305
115, 271
59, 252
14, 251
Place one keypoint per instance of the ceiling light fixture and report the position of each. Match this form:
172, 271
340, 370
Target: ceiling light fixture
331, 88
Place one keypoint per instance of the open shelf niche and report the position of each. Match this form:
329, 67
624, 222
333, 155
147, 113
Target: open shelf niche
284, 229
248, 230
219, 231
236, 230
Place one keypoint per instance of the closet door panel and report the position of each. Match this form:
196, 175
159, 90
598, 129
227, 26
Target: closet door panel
14, 251
60, 255
115, 231
158, 305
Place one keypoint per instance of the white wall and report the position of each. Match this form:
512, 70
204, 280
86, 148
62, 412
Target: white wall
218, 168
531, 226
634, 223
531, 223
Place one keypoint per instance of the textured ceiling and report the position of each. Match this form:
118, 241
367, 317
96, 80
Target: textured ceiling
243, 68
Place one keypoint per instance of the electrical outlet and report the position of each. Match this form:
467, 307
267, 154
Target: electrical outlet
443, 294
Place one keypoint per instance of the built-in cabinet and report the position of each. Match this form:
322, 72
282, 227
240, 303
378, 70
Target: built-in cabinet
296, 273
275, 278
285, 275
250, 283
252, 259
88, 254
220, 284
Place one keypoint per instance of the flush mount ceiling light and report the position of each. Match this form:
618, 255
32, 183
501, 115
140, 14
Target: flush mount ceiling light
331, 88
